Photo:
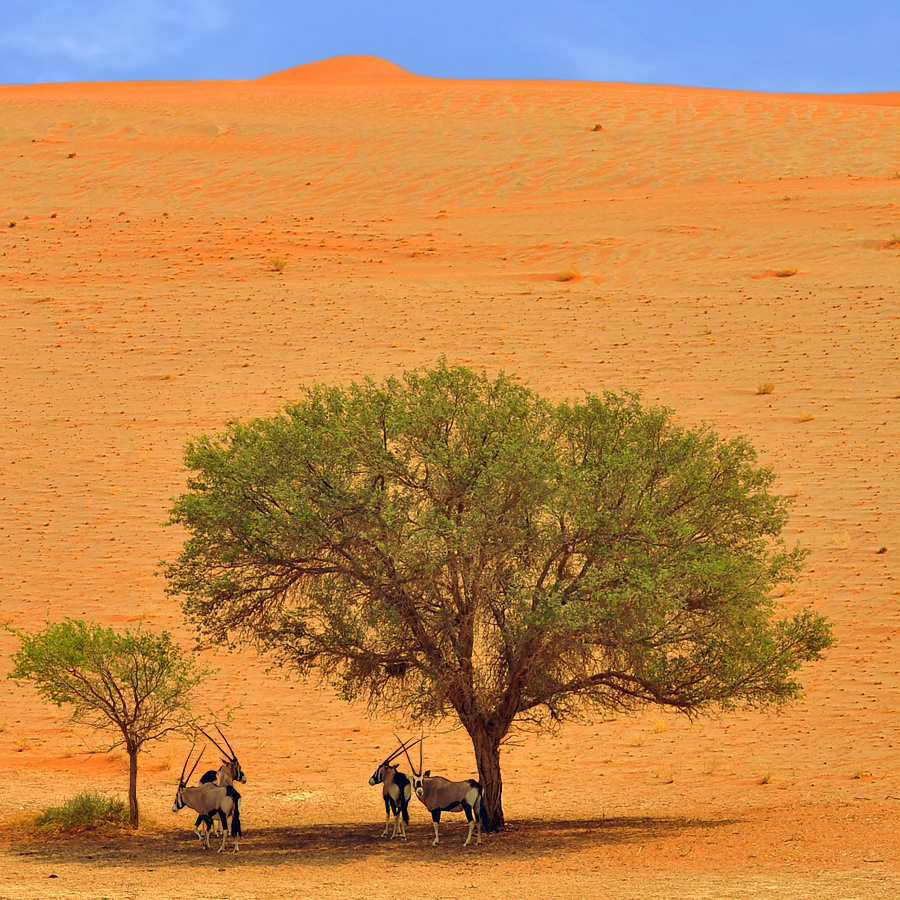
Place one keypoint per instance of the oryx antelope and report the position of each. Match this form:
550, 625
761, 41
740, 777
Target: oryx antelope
210, 800
229, 772
396, 791
440, 795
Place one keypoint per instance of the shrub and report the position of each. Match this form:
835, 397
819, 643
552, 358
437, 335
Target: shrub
86, 811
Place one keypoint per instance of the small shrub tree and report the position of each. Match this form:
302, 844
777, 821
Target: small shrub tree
136, 683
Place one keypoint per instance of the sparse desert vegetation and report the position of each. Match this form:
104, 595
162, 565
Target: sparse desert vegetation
123, 341
87, 811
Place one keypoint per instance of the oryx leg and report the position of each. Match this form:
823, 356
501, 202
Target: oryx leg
393, 804
471, 820
387, 817
399, 826
203, 836
436, 821
224, 820
234, 837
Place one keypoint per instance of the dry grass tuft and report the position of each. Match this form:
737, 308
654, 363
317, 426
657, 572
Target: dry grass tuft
277, 264
765, 387
841, 540
568, 275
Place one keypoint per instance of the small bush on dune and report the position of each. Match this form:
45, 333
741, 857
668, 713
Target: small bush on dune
86, 811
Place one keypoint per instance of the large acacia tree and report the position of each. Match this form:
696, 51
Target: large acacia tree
450, 544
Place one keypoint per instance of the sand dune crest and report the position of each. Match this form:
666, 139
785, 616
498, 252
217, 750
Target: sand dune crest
343, 68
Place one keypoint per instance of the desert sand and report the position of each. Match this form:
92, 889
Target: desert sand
176, 255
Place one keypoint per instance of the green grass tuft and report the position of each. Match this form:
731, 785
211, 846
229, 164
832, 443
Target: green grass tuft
86, 811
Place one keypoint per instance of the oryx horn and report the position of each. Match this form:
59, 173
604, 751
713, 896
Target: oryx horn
419, 742
402, 749
218, 745
222, 735
184, 780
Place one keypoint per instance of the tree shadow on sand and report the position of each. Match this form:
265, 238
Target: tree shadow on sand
337, 844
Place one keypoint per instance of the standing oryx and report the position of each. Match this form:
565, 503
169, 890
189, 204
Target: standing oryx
440, 795
229, 772
210, 800
396, 791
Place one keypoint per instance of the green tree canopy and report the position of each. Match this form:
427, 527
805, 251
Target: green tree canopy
136, 683
448, 544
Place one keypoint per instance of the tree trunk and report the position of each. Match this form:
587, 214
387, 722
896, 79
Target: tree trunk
132, 787
487, 757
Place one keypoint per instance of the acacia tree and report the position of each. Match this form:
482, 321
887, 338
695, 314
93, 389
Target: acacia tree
137, 683
448, 544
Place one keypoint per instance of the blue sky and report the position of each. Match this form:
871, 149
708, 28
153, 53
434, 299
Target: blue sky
791, 45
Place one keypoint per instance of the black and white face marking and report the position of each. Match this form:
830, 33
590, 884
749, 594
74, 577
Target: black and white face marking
381, 773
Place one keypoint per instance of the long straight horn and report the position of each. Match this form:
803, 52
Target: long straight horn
410, 762
186, 780
221, 734
219, 747
184, 767
190, 754
411, 765
402, 748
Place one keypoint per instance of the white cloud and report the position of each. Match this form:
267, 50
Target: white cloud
110, 32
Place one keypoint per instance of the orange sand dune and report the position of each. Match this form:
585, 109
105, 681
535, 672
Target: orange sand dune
689, 244
363, 69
